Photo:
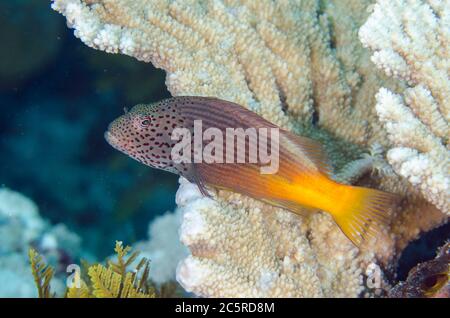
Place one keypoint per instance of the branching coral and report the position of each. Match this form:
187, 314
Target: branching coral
275, 59
411, 41
300, 65
114, 281
163, 247
268, 253
42, 273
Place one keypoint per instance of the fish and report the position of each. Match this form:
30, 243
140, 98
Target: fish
301, 183
430, 279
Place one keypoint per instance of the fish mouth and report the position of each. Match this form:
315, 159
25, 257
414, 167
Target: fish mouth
114, 141
109, 137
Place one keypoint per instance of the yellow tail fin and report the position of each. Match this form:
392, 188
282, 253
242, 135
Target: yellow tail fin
363, 212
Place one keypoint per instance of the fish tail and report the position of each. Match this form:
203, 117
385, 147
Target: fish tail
362, 212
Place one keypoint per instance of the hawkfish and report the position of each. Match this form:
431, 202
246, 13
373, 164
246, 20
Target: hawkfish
301, 183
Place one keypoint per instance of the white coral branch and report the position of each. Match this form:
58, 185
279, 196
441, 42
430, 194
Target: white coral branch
410, 40
420, 156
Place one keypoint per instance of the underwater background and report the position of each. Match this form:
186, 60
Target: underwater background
57, 98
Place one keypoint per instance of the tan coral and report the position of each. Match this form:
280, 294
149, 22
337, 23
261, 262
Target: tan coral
300, 65
268, 254
273, 58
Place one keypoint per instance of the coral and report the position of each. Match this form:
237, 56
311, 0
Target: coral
114, 281
20, 221
268, 254
411, 41
300, 65
21, 226
278, 57
163, 247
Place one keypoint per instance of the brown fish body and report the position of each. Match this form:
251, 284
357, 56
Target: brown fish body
152, 145
301, 178
244, 177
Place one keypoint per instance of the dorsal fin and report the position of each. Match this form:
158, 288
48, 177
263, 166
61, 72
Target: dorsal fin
311, 148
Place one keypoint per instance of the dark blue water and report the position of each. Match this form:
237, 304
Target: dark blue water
57, 97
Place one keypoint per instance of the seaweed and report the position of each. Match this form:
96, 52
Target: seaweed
42, 273
112, 281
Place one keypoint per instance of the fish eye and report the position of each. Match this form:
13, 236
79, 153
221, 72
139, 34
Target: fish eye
434, 281
145, 122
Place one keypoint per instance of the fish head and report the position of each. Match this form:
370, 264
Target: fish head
430, 279
144, 134
124, 132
